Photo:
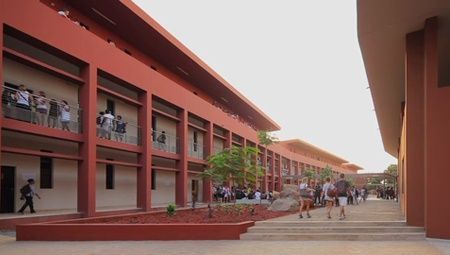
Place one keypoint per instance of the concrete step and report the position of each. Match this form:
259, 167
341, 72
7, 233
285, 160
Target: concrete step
333, 236
334, 229
305, 223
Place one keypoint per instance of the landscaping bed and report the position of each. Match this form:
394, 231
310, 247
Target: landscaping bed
220, 214
228, 222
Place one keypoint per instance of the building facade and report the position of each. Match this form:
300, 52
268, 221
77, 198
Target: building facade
405, 47
109, 58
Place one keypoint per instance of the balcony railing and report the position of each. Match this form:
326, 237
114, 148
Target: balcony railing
284, 172
119, 131
49, 113
165, 142
218, 149
197, 150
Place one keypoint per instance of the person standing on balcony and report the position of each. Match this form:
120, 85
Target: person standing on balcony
65, 115
41, 108
162, 140
108, 120
120, 129
64, 13
23, 101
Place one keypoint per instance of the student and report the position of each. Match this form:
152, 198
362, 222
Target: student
328, 192
305, 197
23, 103
258, 195
100, 120
162, 140
108, 123
342, 187
120, 128
64, 13
65, 115
52, 114
41, 108
28, 192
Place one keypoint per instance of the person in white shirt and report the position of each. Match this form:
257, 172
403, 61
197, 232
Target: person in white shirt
305, 197
64, 13
258, 195
108, 120
65, 115
329, 191
41, 108
23, 102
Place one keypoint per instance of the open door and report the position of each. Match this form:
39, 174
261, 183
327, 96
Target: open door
7, 189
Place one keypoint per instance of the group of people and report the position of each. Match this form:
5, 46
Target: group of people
340, 193
38, 109
223, 193
107, 124
386, 193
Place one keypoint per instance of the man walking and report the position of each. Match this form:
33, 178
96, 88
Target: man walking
28, 192
342, 187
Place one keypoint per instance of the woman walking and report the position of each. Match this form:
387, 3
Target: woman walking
329, 192
306, 197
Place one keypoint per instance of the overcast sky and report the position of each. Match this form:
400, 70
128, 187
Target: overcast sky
297, 60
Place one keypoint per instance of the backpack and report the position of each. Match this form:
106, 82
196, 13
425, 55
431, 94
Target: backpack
25, 190
331, 192
341, 188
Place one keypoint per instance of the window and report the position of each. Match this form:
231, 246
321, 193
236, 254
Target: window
46, 173
109, 176
195, 140
111, 106
153, 179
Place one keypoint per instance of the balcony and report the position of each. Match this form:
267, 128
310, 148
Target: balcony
165, 142
119, 131
197, 151
40, 110
218, 149
284, 171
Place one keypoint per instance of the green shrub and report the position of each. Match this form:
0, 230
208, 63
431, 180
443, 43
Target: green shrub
171, 210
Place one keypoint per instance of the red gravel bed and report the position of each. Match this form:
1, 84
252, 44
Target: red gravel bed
221, 214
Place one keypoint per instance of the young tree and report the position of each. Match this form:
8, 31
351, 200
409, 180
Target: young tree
326, 172
236, 164
310, 173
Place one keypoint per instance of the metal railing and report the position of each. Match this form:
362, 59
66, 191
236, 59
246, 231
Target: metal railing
284, 171
119, 131
218, 149
165, 142
197, 150
51, 113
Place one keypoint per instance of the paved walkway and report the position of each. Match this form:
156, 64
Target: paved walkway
372, 210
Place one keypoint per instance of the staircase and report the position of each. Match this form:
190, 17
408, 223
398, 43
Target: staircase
333, 231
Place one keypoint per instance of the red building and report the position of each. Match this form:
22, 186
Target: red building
110, 55
405, 46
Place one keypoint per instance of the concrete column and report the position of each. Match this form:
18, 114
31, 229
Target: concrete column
280, 180
144, 174
265, 180
182, 174
272, 172
437, 140
415, 128
87, 168
209, 144
1, 77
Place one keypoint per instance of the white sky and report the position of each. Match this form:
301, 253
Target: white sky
297, 60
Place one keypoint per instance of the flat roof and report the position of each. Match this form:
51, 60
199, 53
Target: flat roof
382, 27
132, 24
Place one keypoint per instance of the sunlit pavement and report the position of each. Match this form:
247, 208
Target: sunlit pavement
8, 245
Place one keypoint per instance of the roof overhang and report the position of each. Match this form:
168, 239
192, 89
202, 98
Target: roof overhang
351, 166
307, 147
382, 27
125, 19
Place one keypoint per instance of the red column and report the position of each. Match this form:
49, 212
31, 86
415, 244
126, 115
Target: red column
280, 180
209, 144
272, 171
437, 140
415, 126
182, 174
144, 174
1, 77
265, 180
87, 168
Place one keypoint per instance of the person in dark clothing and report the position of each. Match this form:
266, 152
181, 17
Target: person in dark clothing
28, 192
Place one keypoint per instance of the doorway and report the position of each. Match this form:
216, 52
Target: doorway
7, 192
194, 190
